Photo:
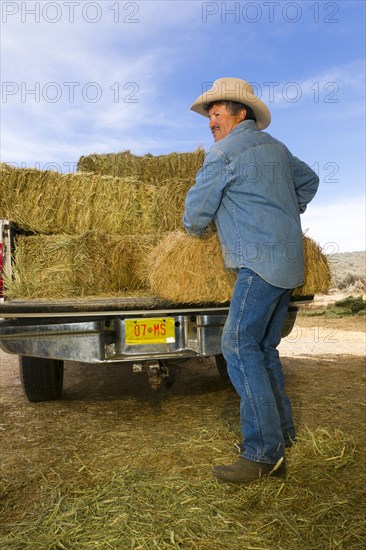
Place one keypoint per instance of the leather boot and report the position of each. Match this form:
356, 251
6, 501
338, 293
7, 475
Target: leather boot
245, 471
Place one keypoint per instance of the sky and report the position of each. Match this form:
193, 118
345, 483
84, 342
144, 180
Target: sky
82, 77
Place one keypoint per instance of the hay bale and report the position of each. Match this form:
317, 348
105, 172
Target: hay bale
185, 268
123, 206
189, 269
147, 168
137, 248
171, 196
29, 197
317, 271
52, 203
92, 264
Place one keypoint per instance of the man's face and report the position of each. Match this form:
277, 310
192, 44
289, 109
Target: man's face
222, 122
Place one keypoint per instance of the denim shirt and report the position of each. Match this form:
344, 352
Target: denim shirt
254, 190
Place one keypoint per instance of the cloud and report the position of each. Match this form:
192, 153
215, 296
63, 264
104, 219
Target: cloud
75, 81
338, 226
325, 88
73, 85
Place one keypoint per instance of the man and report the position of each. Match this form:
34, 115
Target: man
254, 190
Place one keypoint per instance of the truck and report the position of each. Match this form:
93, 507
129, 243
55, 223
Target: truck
147, 334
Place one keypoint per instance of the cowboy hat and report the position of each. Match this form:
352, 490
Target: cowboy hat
233, 89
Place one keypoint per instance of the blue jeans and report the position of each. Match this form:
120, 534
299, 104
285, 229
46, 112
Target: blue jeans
251, 334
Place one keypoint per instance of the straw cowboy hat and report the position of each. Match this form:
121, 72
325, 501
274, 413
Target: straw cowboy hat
233, 89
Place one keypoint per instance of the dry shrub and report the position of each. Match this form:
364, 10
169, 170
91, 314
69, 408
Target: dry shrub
351, 282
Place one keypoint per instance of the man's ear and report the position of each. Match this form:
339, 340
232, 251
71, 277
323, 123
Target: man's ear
242, 115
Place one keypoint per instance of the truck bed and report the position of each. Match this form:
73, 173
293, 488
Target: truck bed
144, 331
82, 307
98, 306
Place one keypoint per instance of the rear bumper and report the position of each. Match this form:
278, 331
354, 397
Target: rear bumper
98, 337
104, 341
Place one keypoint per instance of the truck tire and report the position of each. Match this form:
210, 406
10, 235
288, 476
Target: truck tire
222, 367
42, 379
290, 321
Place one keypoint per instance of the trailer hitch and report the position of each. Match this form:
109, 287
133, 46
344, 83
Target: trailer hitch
156, 371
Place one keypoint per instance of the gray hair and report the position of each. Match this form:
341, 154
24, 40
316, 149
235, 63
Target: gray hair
234, 108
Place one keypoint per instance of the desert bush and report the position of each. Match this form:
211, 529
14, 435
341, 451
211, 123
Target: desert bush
352, 305
348, 271
351, 279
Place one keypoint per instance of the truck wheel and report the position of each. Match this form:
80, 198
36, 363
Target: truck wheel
222, 367
41, 378
290, 321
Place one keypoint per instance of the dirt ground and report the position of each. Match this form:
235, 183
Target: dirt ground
323, 361
116, 465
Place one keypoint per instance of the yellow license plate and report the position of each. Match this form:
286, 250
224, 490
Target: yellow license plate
150, 331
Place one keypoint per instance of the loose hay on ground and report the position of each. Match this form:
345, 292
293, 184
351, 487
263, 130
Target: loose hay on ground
107, 489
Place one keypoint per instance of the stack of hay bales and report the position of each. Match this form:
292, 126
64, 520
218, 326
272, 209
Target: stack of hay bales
91, 234
113, 228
